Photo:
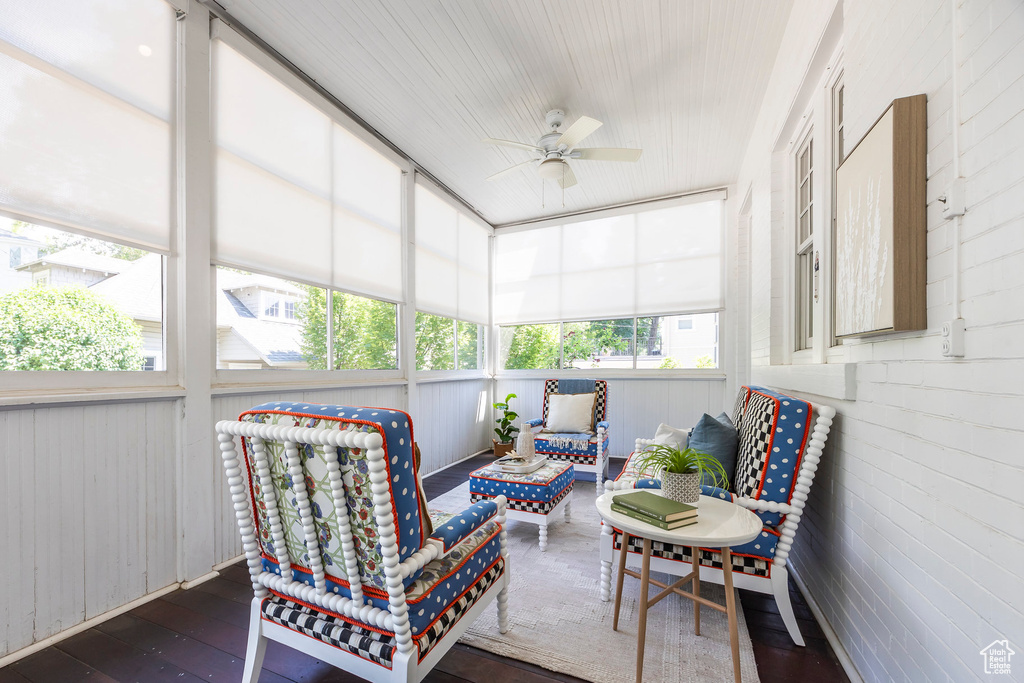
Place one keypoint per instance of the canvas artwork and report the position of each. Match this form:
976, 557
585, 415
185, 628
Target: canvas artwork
865, 260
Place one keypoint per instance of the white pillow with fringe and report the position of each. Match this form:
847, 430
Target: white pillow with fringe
570, 413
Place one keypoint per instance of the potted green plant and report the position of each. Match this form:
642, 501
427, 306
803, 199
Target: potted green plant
681, 471
506, 431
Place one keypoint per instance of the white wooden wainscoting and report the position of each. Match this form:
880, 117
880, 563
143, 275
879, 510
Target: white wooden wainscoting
89, 512
635, 406
453, 421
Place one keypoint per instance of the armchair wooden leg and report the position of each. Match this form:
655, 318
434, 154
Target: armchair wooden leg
780, 588
256, 647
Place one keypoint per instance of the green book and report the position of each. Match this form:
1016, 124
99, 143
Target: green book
653, 505
641, 517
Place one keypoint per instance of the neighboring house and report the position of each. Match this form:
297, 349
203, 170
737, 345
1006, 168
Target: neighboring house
15, 250
72, 267
257, 324
138, 291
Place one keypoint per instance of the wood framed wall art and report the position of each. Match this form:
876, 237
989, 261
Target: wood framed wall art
881, 226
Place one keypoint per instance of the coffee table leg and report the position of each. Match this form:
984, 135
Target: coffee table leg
568, 508
622, 573
730, 610
695, 589
641, 632
544, 535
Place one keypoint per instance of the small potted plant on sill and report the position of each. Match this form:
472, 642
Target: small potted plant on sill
681, 471
506, 431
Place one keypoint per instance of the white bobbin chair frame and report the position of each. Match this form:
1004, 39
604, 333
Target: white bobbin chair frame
777, 584
406, 666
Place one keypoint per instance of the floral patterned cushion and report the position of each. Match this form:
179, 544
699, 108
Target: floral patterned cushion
396, 428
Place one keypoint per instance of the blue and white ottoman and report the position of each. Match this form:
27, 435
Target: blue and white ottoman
532, 497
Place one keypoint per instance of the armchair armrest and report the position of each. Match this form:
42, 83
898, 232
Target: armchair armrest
452, 532
642, 444
603, 424
715, 492
535, 422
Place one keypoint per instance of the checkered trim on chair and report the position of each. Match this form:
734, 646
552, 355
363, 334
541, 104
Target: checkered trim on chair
600, 400
536, 506
739, 407
429, 638
327, 628
744, 564
575, 459
755, 438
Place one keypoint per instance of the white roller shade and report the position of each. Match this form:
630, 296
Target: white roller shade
296, 194
86, 102
666, 259
452, 270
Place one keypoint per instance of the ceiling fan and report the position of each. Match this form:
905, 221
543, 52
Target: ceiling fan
554, 149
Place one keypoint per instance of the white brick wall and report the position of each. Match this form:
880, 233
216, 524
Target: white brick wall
913, 545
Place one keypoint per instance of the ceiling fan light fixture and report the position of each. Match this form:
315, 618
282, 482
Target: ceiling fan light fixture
551, 169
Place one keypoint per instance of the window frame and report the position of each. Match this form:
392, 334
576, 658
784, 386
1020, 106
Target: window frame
803, 299
819, 117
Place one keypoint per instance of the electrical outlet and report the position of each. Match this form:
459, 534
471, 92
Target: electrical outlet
953, 338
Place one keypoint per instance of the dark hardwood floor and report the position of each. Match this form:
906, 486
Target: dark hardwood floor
200, 635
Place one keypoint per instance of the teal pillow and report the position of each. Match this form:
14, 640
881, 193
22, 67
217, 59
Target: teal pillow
717, 437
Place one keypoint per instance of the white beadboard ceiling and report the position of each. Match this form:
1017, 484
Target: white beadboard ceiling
681, 79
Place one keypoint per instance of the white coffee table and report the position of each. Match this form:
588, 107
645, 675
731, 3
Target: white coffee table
720, 524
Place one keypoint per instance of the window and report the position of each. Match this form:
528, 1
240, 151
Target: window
530, 347
364, 332
88, 139
646, 343
447, 344
806, 267
88, 305
665, 256
663, 343
469, 339
297, 195
598, 344
452, 268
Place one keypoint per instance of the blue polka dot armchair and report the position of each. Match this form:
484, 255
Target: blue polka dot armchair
346, 563
780, 443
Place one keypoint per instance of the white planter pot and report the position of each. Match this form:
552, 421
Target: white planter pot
683, 488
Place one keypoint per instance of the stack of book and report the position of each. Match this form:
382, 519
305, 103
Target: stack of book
654, 509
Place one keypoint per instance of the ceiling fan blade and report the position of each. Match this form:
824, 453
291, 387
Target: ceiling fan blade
509, 170
607, 154
568, 178
583, 127
512, 143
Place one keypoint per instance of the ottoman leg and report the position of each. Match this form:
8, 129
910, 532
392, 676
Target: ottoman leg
568, 509
544, 535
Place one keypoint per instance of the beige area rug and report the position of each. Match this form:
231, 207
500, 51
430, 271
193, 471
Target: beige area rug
558, 621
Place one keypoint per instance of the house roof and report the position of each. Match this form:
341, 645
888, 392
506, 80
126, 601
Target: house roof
76, 258
230, 280
9, 236
138, 289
